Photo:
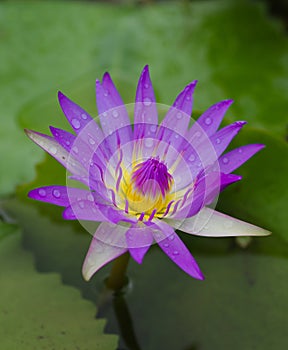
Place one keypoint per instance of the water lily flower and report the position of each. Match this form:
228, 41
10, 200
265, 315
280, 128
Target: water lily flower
144, 179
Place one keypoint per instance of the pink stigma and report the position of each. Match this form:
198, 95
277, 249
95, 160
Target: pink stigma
151, 176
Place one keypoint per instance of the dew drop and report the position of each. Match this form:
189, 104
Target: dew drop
91, 141
192, 158
153, 128
84, 116
176, 136
76, 124
90, 197
148, 142
106, 93
218, 141
175, 252
42, 193
240, 150
166, 245
225, 160
115, 114
146, 86
53, 150
56, 193
67, 143
171, 237
75, 149
188, 97
208, 121
81, 204
179, 115
105, 114
147, 101
197, 134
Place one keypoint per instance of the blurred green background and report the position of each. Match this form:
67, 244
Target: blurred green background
236, 49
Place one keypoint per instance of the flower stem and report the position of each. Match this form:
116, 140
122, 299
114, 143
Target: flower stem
117, 278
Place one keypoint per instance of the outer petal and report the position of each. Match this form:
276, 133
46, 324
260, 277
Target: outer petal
210, 120
52, 147
175, 249
100, 253
60, 195
179, 115
235, 158
139, 240
210, 223
113, 113
145, 107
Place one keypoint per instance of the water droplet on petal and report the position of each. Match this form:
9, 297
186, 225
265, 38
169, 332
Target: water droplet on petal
84, 116
179, 115
56, 193
192, 158
218, 141
75, 123
153, 128
175, 252
208, 121
147, 101
188, 97
115, 114
91, 141
240, 150
148, 142
75, 149
53, 150
81, 204
176, 136
67, 143
171, 237
106, 93
146, 86
197, 134
225, 160
42, 193
166, 245
90, 197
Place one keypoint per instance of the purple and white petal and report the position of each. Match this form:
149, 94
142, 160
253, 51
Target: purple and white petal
145, 110
51, 146
175, 249
139, 240
101, 253
179, 115
211, 119
235, 158
210, 223
60, 195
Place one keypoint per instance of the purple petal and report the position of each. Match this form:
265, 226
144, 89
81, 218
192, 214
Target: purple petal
179, 115
139, 240
84, 210
235, 158
113, 113
209, 150
145, 103
76, 116
51, 146
175, 249
211, 119
210, 223
101, 253
59, 195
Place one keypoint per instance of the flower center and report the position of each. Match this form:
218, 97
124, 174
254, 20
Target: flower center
149, 185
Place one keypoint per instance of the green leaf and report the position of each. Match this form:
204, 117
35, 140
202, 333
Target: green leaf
38, 312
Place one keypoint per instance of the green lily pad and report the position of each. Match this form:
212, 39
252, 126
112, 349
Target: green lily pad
38, 312
49, 46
